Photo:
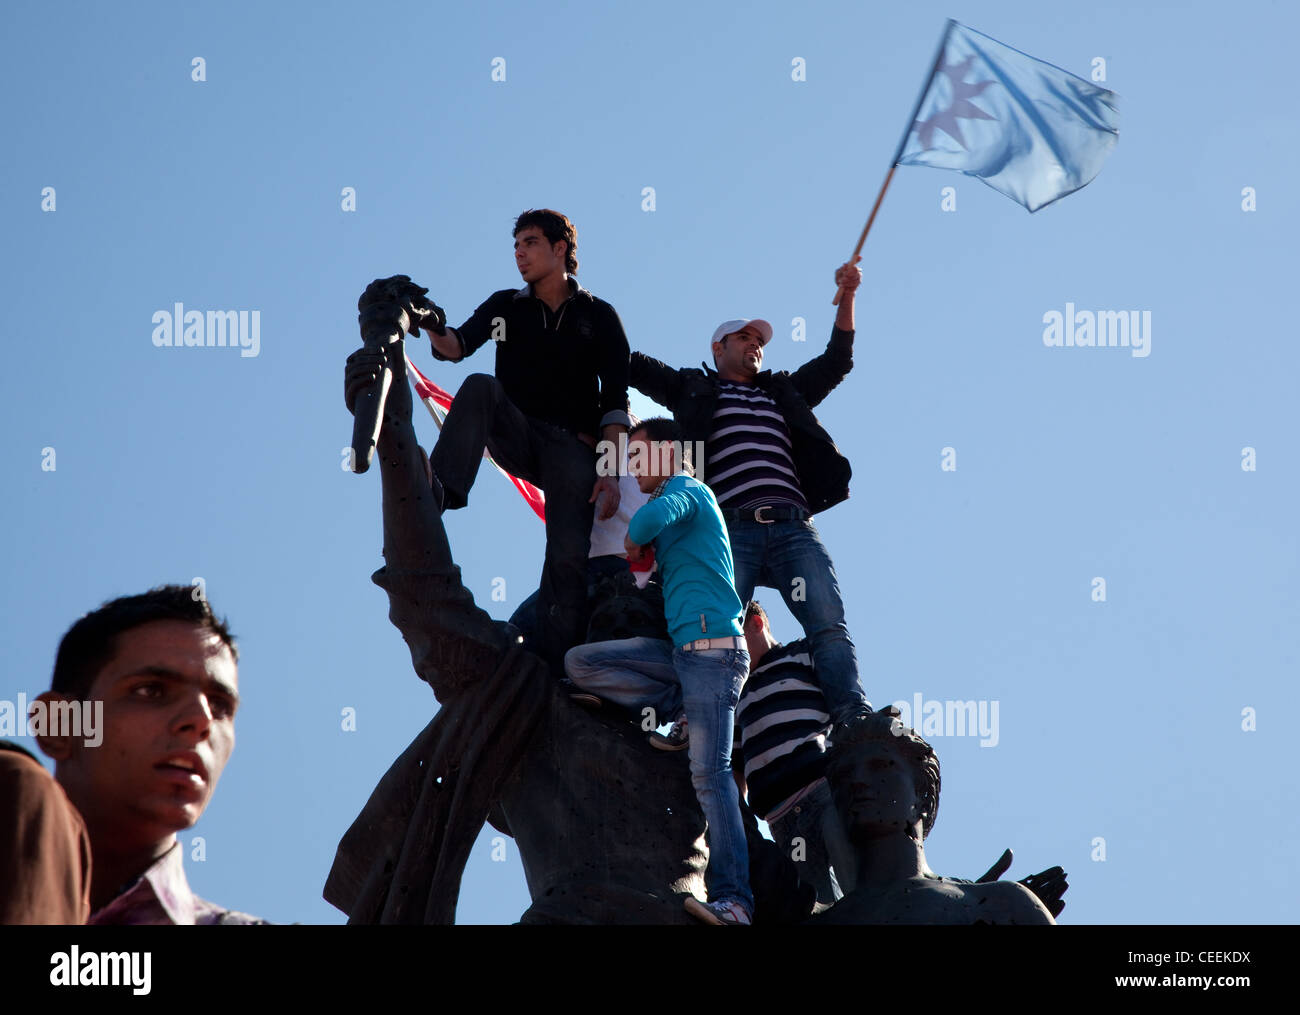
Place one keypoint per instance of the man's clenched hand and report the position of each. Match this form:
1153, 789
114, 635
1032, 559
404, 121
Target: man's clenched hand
606, 497
848, 276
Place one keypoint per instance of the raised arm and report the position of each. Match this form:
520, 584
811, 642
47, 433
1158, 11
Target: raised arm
453, 643
655, 380
414, 537
819, 376
848, 276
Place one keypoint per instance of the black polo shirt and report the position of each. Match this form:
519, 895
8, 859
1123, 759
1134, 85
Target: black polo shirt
567, 366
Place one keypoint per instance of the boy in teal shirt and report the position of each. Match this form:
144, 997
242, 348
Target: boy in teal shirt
703, 669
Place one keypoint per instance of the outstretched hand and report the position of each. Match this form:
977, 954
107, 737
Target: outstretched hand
1050, 887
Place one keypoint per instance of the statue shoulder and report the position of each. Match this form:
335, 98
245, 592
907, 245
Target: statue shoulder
1007, 902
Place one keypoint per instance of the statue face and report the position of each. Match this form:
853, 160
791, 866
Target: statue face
874, 789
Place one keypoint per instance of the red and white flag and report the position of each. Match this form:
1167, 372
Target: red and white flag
438, 402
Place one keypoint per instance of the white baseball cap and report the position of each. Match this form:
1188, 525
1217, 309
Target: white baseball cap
731, 327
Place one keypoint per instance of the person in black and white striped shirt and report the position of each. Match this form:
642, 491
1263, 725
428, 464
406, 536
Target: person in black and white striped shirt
779, 758
748, 453
771, 466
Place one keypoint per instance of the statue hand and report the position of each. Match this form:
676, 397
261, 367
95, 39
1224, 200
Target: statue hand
394, 289
363, 369
399, 289
1000, 867
1049, 885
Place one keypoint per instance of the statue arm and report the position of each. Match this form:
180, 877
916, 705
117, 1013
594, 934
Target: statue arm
414, 536
402, 860
453, 643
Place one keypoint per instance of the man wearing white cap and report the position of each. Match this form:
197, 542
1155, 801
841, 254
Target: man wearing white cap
771, 466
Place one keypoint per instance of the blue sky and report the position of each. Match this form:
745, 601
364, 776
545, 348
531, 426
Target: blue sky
1118, 721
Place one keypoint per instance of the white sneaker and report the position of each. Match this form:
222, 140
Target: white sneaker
676, 739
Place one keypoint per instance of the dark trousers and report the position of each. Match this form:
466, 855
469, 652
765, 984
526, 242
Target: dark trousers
548, 456
526, 616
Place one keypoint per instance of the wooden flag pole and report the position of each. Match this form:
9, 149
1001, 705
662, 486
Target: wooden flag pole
867, 228
898, 154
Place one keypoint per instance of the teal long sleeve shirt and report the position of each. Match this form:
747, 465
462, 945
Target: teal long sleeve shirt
694, 558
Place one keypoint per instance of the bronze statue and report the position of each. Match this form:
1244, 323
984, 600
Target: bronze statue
885, 782
608, 829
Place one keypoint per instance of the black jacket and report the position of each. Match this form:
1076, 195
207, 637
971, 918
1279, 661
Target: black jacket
692, 394
567, 367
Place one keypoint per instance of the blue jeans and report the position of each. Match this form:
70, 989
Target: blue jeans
711, 681
636, 673
649, 672
826, 858
790, 558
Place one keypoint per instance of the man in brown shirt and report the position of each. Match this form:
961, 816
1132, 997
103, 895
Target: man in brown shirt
44, 847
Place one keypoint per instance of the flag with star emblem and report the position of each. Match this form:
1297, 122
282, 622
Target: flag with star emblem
1026, 128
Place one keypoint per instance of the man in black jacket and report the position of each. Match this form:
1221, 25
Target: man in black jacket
561, 383
771, 466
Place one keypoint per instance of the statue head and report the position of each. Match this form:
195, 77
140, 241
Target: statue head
883, 778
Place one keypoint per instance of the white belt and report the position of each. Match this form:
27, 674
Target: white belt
700, 644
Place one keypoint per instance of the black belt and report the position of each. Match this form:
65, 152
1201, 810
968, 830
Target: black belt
766, 514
